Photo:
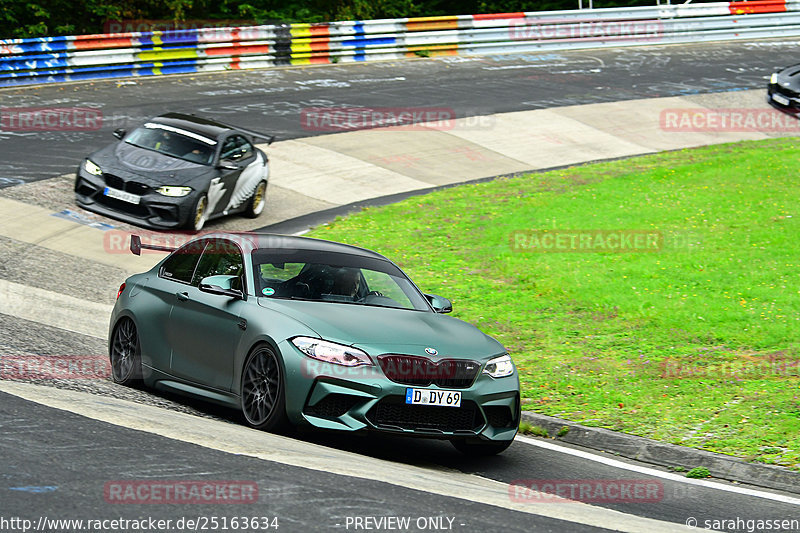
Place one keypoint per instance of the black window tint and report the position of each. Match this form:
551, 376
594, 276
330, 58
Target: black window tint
181, 264
245, 148
236, 147
228, 148
221, 258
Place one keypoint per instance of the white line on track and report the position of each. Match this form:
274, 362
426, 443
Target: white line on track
657, 473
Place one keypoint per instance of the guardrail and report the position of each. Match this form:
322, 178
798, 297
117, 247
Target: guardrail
121, 55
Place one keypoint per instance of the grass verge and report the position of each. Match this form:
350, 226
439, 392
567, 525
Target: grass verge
695, 344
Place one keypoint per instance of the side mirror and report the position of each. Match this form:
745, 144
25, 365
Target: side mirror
119, 133
439, 303
222, 286
227, 165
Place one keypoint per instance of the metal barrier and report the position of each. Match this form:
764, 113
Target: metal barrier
120, 55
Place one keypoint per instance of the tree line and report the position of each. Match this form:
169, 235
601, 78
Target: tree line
38, 18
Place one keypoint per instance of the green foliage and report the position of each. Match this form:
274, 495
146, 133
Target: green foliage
529, 429
40, 18
699, 472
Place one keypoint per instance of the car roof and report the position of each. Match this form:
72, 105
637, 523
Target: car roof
271, 241
203, 126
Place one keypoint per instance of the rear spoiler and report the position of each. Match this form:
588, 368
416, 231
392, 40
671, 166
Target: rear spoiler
269, 138
136, 246
255, 134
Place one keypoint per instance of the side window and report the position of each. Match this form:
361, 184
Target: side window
228, 148
236, 147
180, 266
245, 148
383, 283
220, 258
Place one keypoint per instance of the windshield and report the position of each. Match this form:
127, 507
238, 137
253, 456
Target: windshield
186, 146
333, 277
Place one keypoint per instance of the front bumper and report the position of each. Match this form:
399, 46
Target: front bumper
783, 98
154, 210
364, 399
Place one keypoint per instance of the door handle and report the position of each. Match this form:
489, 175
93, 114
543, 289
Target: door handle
182, 296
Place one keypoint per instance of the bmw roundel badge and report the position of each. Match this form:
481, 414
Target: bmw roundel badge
431, 351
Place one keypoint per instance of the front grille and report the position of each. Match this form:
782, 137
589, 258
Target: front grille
332, 406
423, 372
114, 182
136, 188
499, 416
133, 187
392, 413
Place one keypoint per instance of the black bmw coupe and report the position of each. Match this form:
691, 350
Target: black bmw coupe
176, 171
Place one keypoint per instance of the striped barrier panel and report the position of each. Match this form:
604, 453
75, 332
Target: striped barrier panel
87, 57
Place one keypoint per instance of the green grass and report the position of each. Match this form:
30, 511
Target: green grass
529, 429
674, 345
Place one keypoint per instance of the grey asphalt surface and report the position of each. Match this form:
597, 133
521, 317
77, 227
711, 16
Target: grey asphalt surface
57, 464
273, 100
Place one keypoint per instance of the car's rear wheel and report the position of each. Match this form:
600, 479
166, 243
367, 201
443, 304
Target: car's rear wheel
199, 213
256, 203
480, 448
126, 359
263, 390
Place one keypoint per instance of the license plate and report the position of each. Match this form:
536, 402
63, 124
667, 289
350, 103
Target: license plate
780, 99
442, 398
122, 195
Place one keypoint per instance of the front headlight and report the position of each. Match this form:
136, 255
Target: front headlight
774, 78
91, 168
499, 367
168, 190
330, 352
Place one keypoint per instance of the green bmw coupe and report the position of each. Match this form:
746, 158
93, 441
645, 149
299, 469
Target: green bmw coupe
299, 331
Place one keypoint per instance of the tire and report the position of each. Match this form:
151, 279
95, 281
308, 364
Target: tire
256, 203
199, 213
264, 391
125, 354
480, 448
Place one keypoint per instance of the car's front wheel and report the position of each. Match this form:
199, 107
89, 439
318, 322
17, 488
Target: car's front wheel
126, 359
480, 448
263, 390
256, 203
199, 214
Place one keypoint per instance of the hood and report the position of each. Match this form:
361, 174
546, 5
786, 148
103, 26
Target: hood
380, 330
788, 77
150, 167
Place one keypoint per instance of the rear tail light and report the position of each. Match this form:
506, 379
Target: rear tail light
119, 292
